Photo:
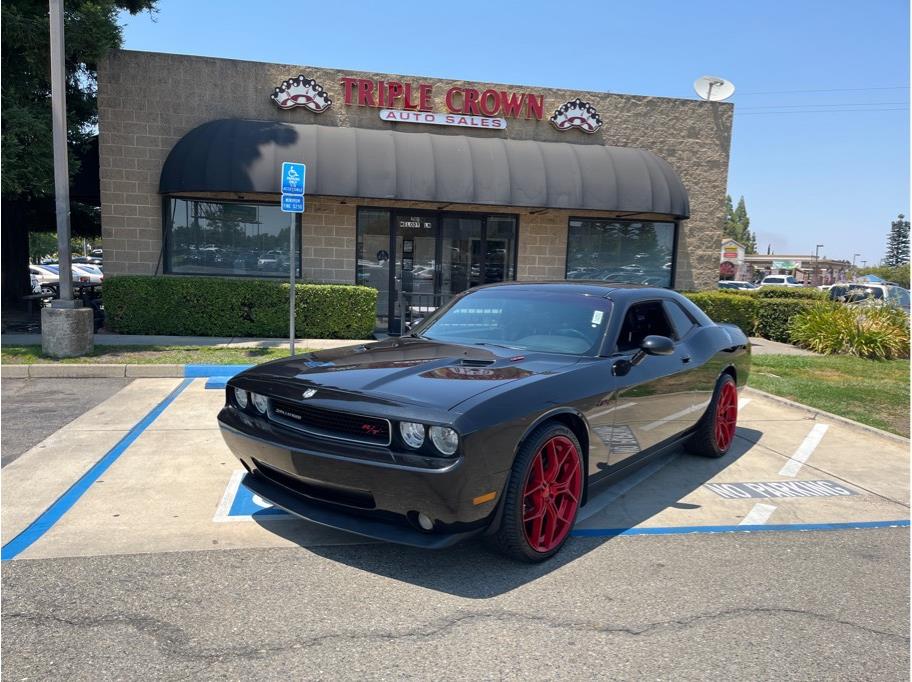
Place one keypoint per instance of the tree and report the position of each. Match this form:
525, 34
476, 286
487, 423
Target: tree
91, 30
737, 225
898, 243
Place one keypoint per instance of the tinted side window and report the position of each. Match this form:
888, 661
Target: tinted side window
680, 320
642, 320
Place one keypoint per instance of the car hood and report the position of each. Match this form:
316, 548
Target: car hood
414, 371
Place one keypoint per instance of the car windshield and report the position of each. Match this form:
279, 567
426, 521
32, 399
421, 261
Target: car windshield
525, 319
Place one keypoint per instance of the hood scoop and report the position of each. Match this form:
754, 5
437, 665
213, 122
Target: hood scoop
469, 362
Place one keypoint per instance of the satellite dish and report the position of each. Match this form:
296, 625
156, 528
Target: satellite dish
713, 88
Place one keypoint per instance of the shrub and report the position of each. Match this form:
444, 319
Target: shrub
774, 316
214, 306
880, 333
791, 292
722, 306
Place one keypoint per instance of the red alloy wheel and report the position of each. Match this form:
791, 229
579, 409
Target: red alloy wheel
726, 416
551, 494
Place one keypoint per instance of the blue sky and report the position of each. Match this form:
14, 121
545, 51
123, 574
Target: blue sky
820, 147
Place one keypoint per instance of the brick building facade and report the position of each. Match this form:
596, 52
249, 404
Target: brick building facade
148, 102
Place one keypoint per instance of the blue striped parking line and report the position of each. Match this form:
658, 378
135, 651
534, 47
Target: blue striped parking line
692, 530
202, 371
65, 502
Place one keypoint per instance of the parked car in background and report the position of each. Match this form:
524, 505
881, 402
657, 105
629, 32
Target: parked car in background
780, 281
871, 293
737, 284
44, 275
77, 273
825, 287
95, 273
87, 260
493, 416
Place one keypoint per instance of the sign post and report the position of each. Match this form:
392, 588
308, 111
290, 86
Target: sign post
293, 175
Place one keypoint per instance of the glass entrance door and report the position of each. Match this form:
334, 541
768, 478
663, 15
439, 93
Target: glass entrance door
416, 281
419, 260
460, 254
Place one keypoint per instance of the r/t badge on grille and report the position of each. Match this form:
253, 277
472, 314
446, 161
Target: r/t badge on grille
310, 393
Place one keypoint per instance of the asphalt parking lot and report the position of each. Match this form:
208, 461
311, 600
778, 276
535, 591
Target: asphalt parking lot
130, 550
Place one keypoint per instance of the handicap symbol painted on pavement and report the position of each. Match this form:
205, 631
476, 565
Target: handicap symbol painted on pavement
240, 504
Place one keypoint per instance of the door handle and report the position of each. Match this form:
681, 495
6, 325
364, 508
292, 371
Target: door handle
685, 359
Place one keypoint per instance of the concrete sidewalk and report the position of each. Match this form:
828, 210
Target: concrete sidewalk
766, 347
108, 339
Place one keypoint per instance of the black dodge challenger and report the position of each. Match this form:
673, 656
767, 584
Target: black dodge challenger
493, 416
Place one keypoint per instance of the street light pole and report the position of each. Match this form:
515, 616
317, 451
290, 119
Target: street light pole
66, 326
817, 264
61, 165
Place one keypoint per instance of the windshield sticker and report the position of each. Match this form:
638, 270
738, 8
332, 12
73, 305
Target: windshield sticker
597, 316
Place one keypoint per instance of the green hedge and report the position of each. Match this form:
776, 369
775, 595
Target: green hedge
780, 292
765, 316
775, 315
722, 306
215, 306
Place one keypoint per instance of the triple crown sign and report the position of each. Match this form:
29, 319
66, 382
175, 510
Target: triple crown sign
293, 176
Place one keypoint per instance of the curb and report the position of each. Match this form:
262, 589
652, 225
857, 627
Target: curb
828, 415
113, 371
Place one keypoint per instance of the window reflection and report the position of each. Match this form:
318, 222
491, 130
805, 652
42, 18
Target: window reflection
621, 251
223, 238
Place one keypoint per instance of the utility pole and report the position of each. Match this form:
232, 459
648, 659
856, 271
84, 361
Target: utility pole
817, 264
61, 163
66, 327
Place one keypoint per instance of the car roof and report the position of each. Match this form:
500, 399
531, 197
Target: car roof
584, 286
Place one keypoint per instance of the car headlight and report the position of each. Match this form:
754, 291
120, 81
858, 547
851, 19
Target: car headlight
240, 397
260, 402
412, 434
444, 439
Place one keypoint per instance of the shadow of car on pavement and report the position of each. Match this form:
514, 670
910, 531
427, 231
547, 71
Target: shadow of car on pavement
472, 570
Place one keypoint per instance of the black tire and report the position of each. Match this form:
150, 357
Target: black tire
705, 441
510, 538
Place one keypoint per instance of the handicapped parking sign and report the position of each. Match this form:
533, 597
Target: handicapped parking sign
293, 175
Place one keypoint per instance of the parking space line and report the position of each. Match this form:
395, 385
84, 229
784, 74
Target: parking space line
697, 530
743, 402
45, 521
804, 451
758, 515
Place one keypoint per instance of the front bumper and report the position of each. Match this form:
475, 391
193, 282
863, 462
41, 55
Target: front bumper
362, 490
366, 526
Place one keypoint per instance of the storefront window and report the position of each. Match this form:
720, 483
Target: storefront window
621, 251
220, 238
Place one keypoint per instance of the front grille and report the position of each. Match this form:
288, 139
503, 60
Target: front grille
331, 424
350, 497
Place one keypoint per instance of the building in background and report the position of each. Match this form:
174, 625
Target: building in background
731, 261
805, 269
418, 187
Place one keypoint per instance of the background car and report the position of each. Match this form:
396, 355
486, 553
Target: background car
871, 293
737, 284
44, 275
780, 281
493, 416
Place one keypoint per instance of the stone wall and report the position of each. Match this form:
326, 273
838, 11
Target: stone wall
148, 101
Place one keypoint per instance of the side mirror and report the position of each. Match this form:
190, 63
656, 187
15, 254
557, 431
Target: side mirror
653, 345
657, 345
